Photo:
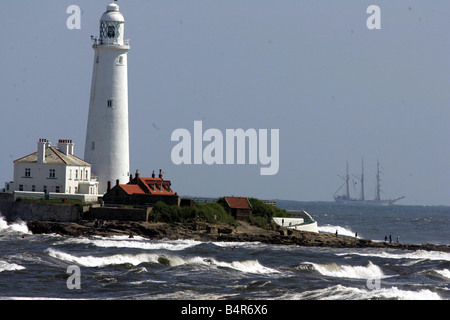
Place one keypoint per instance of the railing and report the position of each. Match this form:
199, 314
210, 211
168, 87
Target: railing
110, 42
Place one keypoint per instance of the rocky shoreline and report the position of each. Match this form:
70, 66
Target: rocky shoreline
201, 231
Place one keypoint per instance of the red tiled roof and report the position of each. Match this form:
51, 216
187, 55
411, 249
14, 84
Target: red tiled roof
238, 203
148, 186
132, 189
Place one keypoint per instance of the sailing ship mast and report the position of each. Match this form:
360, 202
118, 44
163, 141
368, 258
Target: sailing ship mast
378, 197
346, 198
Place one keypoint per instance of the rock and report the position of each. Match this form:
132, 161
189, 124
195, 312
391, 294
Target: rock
244, 232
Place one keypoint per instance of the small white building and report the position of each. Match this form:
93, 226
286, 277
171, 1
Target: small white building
53, 172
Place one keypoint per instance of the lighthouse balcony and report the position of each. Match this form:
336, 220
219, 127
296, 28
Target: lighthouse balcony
110, 42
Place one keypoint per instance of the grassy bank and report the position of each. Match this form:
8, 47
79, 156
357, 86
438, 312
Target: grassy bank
215, 212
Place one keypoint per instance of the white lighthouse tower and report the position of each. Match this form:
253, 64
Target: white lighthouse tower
107, 137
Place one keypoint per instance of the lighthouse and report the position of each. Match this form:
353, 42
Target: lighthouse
107, 136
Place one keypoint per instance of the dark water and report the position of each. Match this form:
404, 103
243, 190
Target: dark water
121, 268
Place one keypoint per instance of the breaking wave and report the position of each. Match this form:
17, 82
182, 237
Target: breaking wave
6, 266
328, 228
340, 292
136, 243
18, 227
246, 266
413, 255
370, 270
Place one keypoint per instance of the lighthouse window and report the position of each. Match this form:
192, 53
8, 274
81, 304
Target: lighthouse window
120, 60
110, 103
111, 32
93, 145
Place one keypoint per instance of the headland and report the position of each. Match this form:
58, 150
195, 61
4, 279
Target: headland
202, 231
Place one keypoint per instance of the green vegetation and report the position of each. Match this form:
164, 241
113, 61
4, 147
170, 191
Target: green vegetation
208, 212
263, 213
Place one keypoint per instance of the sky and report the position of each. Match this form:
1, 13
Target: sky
336, 90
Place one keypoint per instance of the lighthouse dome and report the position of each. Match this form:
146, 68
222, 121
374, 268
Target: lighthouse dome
112, 25
112, 14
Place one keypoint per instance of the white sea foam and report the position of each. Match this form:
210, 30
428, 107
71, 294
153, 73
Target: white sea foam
346, 271
92, 261
6, 266
444, 272
339, 292
246, 266
136, 242
414, 255
18, 227
343, 231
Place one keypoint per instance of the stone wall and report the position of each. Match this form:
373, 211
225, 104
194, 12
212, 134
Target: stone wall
29, 211
121, 214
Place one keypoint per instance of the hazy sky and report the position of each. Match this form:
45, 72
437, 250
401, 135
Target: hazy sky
336, 90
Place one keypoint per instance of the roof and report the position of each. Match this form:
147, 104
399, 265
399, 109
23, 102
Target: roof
54, 156
132, 189
149, 186
238, 203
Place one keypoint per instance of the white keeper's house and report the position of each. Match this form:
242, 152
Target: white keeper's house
53, 172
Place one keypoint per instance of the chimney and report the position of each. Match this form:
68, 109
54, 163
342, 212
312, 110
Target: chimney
65, 146
108, 186
42, 145
117, 182
153, 174
137, 175
160, 173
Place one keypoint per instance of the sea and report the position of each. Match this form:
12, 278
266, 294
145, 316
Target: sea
55, 267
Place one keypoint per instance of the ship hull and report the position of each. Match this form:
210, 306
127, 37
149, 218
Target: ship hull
344, 200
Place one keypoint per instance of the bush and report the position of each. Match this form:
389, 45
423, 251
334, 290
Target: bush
263, 213
208, 212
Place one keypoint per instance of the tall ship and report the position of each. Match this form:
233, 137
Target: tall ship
346, 199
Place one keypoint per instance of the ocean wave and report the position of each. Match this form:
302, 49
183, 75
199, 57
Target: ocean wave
414, 255
368, 271
6, 266
343, 231
246, 266
444, 273
92, 261
18, 227
136, 243
340, 292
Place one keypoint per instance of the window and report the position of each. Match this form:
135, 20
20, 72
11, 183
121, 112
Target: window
93, 145
33, 188
52, 173
111, 32
70, 174
27, 172
110, 103
120, 60
76, 174
20, 187
57, 189
45, 189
